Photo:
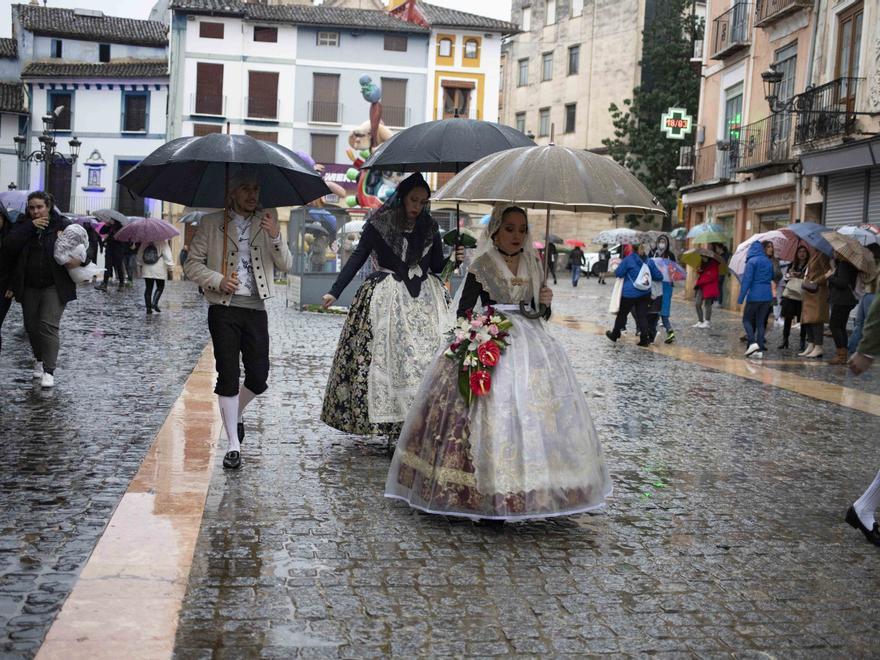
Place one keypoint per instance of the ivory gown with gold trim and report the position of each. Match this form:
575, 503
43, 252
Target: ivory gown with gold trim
528, 449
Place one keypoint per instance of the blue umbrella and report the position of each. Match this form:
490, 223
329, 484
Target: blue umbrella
324, 217
811, 234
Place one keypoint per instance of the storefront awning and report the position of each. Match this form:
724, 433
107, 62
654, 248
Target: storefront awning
857, 156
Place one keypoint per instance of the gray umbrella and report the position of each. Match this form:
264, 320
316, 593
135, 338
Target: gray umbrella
111, 215
552, 178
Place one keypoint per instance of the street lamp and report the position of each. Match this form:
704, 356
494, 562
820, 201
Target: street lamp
771, 78
48, 152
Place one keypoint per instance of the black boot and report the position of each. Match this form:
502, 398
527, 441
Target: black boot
784, 343
156, 302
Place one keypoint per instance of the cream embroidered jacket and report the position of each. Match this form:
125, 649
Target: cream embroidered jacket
204, 265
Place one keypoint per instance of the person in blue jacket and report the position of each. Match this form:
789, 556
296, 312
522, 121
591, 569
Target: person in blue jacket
756, 291
637, 272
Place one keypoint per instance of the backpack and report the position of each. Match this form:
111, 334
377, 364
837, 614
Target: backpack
643, 279
151, 255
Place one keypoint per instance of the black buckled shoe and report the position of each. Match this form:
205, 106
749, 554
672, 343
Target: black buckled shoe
873, 535
232, 460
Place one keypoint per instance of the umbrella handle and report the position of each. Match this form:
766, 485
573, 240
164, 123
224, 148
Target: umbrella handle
529, 313
542, 308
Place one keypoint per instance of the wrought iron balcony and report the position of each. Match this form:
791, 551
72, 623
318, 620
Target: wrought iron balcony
826, 111
764, 143
731, 31
716, 162
768, 11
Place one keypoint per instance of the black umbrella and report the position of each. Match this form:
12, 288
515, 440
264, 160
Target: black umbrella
193, 171
444, 145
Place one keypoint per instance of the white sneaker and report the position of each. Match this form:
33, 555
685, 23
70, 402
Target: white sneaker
48, 380
707, 324
751, 349
757, 355
698, 324
38, 369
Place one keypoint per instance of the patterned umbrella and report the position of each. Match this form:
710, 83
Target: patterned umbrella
146, 230
672, 271
785, 244
852, 251
622, 236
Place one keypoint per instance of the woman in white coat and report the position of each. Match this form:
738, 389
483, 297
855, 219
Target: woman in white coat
155, 261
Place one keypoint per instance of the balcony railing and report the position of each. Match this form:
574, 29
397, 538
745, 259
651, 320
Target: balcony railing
716, 162
210, 105
321, 112
261, 107
731, 31
768, 11
826, 111
395, 116
765, 142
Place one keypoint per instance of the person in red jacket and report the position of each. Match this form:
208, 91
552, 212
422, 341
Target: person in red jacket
706, 291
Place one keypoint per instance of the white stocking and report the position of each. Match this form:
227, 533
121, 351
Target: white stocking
245, 396
229, 413
867, 504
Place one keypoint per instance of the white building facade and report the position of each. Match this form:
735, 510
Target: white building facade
105, 81
12, 111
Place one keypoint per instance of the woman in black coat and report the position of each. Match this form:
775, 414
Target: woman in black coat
40, 285
842, 299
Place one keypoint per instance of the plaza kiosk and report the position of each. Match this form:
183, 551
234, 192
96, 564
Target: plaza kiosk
322, 239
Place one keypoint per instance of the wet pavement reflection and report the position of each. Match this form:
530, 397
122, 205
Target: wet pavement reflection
725, 532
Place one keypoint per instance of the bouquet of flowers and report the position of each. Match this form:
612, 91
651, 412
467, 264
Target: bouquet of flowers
476, 345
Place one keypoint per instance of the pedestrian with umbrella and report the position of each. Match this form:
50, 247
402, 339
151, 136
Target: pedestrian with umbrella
756, 291
602, 262
872, 286
792, 295
396, 320
153, 255
495, 436
842, 289
815, 311
707, 289
234, 250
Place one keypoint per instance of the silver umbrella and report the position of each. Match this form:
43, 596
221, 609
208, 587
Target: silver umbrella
552, 178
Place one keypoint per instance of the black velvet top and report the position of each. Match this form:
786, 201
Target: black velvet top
371, 241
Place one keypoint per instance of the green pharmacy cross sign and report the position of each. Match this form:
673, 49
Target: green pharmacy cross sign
676, 123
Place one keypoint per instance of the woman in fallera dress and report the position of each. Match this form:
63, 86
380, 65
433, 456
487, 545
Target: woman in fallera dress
396, 321
525, 449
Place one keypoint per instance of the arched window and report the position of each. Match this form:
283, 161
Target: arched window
471, 49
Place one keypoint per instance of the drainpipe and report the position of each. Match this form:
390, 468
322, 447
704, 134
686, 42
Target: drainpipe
798, 170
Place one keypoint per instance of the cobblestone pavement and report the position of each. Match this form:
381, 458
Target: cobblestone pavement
724, 535
69, 453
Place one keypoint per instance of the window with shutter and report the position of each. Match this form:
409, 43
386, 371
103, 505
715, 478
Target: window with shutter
266, 34
323, 148
206, 129
209, 89
325, 98
394, 101
395, 42
263, 94
266, 136
208, 30
134, 111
